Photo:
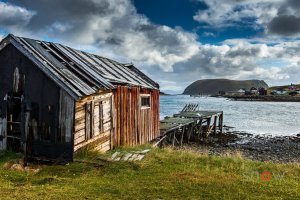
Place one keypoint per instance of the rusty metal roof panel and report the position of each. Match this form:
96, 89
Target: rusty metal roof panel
80, 73
82, 65
123, 73
64, 73
106, 68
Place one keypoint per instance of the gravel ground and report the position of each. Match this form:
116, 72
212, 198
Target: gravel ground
283, 149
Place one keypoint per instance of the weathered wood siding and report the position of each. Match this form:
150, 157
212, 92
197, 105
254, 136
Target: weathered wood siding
134, 124
93, 122
3, 134
66, 116
39, 127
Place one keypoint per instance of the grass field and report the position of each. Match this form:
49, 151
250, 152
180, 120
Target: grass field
163, 174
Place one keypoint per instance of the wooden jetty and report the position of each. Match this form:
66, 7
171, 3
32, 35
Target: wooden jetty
191, 122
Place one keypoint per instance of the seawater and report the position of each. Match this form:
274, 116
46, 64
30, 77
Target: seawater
274, 118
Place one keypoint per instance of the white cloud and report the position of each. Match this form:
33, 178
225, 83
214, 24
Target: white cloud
241, 60
275, 17
115, 28
13, 17
157, 50
171, 56
209, 34
228, 12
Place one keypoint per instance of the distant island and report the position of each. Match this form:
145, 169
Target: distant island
246, 90
163, 93
215, 86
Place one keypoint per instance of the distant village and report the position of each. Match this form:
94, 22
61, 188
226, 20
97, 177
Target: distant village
290, 90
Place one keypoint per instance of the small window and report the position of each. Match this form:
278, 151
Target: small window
145, 101
93, 119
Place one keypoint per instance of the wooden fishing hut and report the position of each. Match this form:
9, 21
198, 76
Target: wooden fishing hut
55, 100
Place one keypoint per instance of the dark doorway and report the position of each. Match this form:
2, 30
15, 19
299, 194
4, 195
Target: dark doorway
14, 111
14, 120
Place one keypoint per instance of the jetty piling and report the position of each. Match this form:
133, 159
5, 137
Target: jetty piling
191, 122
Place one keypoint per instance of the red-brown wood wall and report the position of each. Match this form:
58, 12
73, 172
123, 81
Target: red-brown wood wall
132, 124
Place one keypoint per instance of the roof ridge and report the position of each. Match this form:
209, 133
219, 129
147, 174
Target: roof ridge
82, 71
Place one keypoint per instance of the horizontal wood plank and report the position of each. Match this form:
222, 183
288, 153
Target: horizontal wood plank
99, 137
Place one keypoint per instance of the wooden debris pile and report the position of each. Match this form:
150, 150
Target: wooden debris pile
18, 165
129, 156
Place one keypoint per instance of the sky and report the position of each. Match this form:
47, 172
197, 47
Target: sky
175, 42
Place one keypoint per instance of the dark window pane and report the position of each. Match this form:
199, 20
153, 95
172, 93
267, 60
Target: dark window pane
145, 101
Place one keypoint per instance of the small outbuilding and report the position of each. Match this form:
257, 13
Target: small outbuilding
55, 100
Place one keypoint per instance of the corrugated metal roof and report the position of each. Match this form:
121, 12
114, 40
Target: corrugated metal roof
80, 73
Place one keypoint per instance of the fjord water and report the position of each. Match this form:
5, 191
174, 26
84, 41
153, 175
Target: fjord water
275, 118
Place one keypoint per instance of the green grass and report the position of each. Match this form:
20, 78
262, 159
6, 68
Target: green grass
163, 174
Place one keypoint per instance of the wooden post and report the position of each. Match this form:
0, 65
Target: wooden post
190, 133
182, 135
173, 142
208, 126
200, 127
221, 123
215, 125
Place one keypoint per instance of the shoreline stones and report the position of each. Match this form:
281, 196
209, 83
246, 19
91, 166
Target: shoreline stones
278, 149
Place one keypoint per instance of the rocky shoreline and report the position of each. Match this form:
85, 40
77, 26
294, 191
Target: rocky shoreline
264, 98
279, 149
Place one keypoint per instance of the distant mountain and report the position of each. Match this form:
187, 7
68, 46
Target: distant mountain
172, 92
213, 86
163, 93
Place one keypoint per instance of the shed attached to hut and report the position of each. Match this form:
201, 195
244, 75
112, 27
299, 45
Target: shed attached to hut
54, 100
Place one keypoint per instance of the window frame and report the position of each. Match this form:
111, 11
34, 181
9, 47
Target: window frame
141, 102
98, 103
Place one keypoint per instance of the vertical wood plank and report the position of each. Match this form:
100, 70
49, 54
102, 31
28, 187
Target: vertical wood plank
87, 121
112, 119
92, 119
3, 125
128, 116
124, 115
136, 116
119, 114
66, 116
131, 116
157, 114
